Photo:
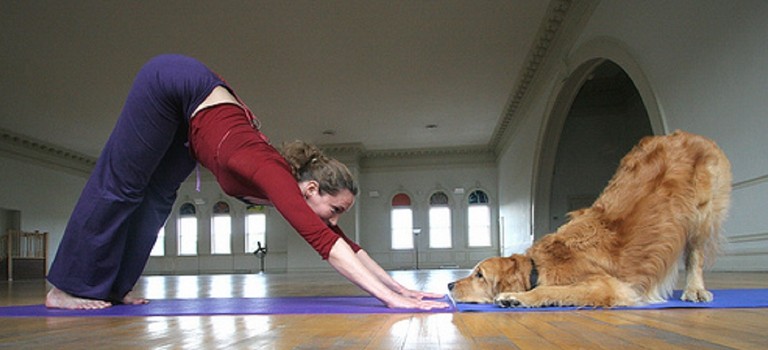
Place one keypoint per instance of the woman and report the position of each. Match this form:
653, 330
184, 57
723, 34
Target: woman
178, 113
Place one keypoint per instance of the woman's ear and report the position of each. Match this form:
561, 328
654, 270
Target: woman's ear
309, 188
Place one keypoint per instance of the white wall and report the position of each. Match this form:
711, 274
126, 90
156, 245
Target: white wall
516, 172
287, 251
703, 66
204, 262
707, 62
420, 183
45, 197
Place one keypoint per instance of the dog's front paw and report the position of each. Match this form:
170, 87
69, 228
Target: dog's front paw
697, 295
507, 300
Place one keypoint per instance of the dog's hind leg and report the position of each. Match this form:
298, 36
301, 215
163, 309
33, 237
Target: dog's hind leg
700, 246
694, 286
713, 188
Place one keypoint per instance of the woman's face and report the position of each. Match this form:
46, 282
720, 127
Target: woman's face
328, 207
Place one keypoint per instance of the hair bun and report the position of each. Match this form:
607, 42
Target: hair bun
308, 162
300, 155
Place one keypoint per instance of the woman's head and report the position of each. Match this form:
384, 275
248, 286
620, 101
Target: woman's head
326, 183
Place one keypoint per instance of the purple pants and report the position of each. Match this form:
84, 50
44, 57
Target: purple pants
131, 191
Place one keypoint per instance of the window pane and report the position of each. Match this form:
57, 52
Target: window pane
479, 218
159, 248
478, 197
221, 235
220, 208
438, 198
188, 236
255, 231
187, 209
440, 227
402, 228
401, 200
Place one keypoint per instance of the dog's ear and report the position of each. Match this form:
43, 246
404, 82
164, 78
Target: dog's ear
509, 277
505, 269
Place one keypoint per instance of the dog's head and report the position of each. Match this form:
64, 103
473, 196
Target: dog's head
490, 277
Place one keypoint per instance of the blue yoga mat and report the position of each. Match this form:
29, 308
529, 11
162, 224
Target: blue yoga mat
226, 306
724, 299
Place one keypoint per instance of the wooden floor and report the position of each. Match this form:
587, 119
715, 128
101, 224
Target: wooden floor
642, 329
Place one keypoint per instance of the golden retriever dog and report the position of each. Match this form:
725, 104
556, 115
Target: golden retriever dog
667, 200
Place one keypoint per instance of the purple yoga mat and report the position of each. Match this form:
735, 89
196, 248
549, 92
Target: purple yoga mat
724, 299
226, 306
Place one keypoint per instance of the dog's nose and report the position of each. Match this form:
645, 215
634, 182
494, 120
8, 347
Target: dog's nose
451, 285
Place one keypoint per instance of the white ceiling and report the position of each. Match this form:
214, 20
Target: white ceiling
374, 72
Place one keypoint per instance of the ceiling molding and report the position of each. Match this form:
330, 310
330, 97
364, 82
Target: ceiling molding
427, 152
428, 157
358, 150
39, 152
550, 27
347, 153
344, 148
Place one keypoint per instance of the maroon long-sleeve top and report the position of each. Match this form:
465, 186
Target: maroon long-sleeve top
223, 139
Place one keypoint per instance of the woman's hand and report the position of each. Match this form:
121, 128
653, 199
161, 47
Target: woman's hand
402, 302
344, 260
419, 295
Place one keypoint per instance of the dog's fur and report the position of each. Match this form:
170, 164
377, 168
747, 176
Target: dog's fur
668, 199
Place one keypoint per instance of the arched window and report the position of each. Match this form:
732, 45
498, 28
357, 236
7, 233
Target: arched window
479, 220
221, 229
402, 222
187, 229
439, 221
159, 248
255, 228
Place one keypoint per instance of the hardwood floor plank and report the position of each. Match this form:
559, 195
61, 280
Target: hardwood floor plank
699, 328
636, 335
592, 329
502, 328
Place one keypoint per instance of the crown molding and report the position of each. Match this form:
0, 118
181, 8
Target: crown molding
358, 150
563, 16
343, 148
43, 153
427, 152
428, 157
347, 153
356, 154
548, 30
39, 152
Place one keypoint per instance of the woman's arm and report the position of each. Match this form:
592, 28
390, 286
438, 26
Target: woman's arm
240, 154
348, 264
390, 282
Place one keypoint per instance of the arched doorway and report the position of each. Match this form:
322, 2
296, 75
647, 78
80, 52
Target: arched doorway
600, 117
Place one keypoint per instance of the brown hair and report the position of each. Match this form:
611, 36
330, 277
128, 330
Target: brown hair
309, 163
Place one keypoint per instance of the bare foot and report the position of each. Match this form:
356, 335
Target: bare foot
58, 299
129, 299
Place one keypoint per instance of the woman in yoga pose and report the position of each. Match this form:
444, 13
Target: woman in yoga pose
178, 112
